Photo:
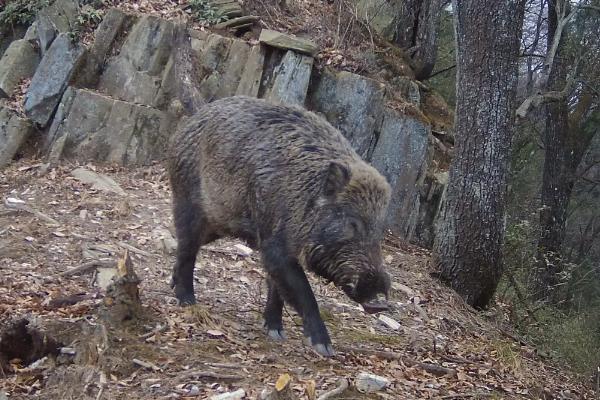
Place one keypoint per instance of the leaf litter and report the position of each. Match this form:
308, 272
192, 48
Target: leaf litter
427, 345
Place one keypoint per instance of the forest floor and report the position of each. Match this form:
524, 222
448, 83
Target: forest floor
51, 223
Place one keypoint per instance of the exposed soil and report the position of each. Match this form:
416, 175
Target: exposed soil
442, 349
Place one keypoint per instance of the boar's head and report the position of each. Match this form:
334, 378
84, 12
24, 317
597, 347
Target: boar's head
344, 241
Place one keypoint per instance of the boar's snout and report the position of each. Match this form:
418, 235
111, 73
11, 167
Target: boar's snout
368, 286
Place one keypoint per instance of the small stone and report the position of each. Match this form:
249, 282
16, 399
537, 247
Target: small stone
98, 181
288, 42
389, 322
194, 391
243, 251
237, 395
370, 383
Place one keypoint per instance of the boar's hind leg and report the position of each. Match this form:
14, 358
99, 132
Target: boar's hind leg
273, 313
192, 232
292, 284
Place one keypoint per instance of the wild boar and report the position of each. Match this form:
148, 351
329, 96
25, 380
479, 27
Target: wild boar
286, 181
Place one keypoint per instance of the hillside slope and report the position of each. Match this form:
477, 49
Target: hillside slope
441, 350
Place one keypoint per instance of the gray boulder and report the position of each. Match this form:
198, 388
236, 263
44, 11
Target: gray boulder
52, 78
9, 34
288, 42
91, 126
353, 104
135, 74
114, 23
290, 79
58, 17
249, 84
14, 131
401, 156
19, 62
222, 63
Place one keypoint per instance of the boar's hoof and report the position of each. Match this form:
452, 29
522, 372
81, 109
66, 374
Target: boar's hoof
185, 298
276, 334
326, 350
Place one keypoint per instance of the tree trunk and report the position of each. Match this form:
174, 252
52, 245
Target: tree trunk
417, 31
566, 140
468, 244
557, 181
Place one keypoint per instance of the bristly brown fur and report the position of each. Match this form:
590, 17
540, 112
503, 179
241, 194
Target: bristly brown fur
285, 180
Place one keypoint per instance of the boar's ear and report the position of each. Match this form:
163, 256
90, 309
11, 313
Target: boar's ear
336, 179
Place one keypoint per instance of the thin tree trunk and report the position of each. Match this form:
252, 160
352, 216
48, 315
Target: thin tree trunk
418, 25
557, 181
467, 249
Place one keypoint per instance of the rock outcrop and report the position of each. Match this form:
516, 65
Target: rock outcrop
52, 78
18, 62
115, 101
14, 131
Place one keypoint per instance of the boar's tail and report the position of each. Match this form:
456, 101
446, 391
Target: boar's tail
185, 68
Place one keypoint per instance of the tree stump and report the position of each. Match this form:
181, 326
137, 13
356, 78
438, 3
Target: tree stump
122, 301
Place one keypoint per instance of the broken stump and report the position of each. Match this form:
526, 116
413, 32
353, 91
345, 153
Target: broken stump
122, 301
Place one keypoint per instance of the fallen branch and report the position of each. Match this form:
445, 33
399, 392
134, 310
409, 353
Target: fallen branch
28, 209
223, 365
209, 375
434, 369
134, 249
146, 364
87, 267
341, 387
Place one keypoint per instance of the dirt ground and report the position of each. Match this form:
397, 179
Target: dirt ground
51, 223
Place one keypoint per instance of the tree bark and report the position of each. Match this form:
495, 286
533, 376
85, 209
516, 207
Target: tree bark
417, 31
468, 244
557, 180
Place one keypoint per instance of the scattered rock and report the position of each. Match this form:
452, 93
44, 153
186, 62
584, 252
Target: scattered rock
165, 241
370, 383
389, 322
243, 251
98, 181
290, 79
237, 395
18, 62
193, 391
52, 78
288, 42
14, 131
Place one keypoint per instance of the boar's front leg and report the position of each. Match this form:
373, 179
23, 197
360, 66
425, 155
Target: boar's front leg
293, 286
273, 312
